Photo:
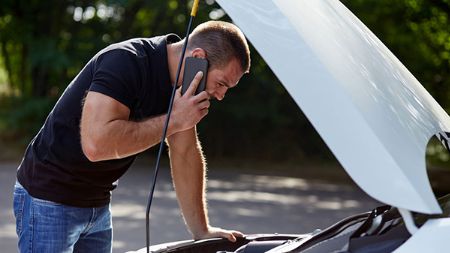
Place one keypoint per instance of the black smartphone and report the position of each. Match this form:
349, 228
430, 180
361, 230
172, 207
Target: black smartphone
192, 66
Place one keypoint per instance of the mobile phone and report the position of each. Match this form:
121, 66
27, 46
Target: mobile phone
192, 66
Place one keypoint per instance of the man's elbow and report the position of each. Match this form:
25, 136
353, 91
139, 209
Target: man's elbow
91, 150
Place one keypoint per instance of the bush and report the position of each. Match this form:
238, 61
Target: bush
21, 118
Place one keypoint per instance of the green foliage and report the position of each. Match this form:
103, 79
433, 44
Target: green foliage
437, 155
22, 117
44, 44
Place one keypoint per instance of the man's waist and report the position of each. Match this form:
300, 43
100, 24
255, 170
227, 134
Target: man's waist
71, 195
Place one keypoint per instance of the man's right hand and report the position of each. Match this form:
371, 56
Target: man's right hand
188, 109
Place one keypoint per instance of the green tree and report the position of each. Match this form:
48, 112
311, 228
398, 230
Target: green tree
44, 44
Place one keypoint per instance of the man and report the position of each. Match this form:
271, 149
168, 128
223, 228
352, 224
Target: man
114, 109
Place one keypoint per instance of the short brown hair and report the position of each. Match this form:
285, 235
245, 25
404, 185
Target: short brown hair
222, 42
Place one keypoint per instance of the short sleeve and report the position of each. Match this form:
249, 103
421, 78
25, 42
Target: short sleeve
117, 75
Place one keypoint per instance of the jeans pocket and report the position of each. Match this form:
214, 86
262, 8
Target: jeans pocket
18, 206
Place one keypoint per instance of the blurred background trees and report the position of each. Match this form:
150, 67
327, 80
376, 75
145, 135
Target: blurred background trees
44, 44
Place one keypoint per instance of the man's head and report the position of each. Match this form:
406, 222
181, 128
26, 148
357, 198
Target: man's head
226, 49
222, 41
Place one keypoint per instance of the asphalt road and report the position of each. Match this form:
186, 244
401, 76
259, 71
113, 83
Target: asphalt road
248, 201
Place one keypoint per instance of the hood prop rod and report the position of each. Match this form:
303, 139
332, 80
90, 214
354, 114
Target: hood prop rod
161, 146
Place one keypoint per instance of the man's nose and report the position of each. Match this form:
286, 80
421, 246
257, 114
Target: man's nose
220, 97
220, 94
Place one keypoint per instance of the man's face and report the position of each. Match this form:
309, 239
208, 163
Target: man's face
219, 80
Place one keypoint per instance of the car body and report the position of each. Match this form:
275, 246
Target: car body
372, 113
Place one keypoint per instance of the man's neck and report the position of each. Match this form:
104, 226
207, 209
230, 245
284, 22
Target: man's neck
173, 59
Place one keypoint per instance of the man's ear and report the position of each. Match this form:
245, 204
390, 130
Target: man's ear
199, 53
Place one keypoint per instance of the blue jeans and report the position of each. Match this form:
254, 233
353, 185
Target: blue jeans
46, 226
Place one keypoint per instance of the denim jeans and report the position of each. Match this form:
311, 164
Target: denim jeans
46, 226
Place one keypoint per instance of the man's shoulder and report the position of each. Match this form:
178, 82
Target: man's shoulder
141, 46
135, 46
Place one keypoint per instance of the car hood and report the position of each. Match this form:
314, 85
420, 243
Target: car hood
370, 110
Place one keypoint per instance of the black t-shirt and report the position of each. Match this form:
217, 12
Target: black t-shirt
135, 73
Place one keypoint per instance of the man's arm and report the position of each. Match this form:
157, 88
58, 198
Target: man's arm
188, 174
107, 133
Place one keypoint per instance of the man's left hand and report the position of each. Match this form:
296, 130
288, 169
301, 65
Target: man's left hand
214, 232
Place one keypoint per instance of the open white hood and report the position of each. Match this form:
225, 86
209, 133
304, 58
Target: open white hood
370, 110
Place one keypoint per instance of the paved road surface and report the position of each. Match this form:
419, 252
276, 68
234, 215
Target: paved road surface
247, 201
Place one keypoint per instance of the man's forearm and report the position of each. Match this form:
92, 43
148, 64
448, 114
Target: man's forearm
188, 173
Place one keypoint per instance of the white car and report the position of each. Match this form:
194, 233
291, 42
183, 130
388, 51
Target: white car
372, 113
